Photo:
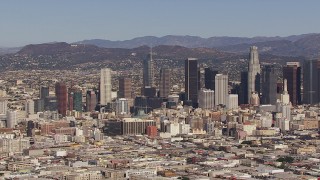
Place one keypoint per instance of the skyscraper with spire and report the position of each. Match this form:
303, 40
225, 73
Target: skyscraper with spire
148, 73
285, 98
253, 72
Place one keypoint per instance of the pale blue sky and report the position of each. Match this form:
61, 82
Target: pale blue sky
37, 21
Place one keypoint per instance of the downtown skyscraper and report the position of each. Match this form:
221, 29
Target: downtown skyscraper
148, 71
62, 98
253, 72
311, 84
209, 78
269, 85
221, 89
164, 85
125, 89
191, 80
292, 72
105, 86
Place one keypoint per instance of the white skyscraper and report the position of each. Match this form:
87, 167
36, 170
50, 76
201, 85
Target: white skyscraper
221, 89
11, 119
29, 106
206, 99
122, 106
105, 86
253, 70
232, 101
285, 98
3, 106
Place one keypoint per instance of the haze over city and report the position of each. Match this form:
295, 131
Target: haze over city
37, 21
159, 90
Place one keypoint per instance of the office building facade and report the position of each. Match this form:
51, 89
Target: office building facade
209, 78
269, 85
125, 87
191, 80
221, 89
62, 98
292, 72
253, 71
164, 85
105, 86
311, 88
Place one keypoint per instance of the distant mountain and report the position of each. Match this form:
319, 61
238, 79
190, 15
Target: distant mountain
186, 41
296, 45
95, 52
62, 55
307, 46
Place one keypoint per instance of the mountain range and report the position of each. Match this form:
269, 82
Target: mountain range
93, 53
307, 45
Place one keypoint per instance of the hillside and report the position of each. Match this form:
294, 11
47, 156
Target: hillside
307, 45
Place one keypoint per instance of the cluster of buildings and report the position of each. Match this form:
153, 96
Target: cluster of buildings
262, 127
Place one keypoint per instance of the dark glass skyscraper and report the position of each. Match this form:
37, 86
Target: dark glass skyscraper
243, 95
269, 85
191, 80
44, 92
164, 85
62, 98
311, 89
125, 87
209, 78
91, 100
148, 73
292, 72
77, 100
70, 100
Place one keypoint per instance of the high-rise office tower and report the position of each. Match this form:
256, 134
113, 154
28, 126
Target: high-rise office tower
253, 72
91, 101
148, 71
125, 87
3, 106
221, 89
44, 92
11, 118
206, 99
29, 106
191, 80
122, 106
105, 86
285, 98
243, 95
292, 72
62, 98
70, 100
209, 77
30, 127
77, 100
164, 85
269, 85
232, 101
39, 105
311, 85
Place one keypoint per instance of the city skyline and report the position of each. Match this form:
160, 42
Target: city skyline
40, 22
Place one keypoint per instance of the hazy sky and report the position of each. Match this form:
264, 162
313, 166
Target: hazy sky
38, 21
